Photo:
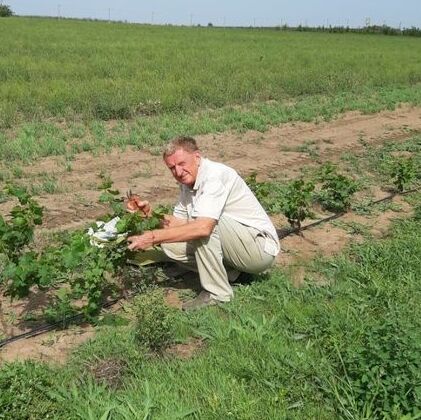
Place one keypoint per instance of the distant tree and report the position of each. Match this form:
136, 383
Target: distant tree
5, 10
210, 24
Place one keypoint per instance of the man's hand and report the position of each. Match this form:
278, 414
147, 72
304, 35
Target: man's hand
141, 242
169, 221
134, 204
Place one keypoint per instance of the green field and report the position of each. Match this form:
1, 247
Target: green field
61, 80
97, 70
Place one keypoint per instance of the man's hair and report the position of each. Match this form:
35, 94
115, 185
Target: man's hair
183, 142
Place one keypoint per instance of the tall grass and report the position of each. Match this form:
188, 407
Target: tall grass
102, 71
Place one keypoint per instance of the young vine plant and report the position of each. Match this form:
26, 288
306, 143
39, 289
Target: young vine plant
72, 266
336, 189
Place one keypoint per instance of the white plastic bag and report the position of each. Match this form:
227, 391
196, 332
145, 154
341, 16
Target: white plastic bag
106, 232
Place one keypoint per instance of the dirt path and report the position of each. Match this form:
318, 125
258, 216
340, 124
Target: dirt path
280, 152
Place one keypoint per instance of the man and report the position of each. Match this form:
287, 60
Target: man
218, 227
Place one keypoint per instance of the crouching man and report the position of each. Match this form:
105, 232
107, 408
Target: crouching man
218, 227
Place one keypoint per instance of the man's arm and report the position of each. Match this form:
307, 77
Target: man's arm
170, 221
201, 227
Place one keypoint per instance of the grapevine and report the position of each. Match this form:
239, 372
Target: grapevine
73, 267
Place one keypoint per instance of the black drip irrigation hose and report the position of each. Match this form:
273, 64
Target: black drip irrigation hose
55, 325
282, 233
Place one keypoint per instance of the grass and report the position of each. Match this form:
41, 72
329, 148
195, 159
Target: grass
353, 228
105, 71
351, 349
158, 82
48, 186
34, 140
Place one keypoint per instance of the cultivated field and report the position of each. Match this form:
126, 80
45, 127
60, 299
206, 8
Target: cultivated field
332, 122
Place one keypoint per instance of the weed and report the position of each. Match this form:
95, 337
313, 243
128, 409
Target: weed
417, 212
77, 131
403, 173
349, 349
353, 228
17, 171
387, 205
61, 309
144, 173
336, 189
3, 197
381, 369
413, 199
26, 392
310, 147
155, 320
49, 185
106, 181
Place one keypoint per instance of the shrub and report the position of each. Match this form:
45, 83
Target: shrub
336, 190
154, 320
261, 190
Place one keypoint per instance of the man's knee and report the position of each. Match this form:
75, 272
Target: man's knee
176, 251
182, 252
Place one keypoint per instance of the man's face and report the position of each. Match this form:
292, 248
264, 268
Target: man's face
184, 166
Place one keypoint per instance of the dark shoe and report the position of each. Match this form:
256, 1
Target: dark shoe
244, 278
202, 300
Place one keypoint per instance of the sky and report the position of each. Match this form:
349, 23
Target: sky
355, 13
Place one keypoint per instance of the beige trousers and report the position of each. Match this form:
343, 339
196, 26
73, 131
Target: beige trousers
231, 248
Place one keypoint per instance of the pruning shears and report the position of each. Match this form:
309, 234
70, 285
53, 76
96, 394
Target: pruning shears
129, 194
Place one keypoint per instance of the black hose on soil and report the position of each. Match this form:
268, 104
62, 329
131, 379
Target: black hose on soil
284, 232
55, 325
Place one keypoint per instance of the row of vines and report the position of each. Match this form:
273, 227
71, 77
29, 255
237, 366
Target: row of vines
330, 189
79, 276
78, 273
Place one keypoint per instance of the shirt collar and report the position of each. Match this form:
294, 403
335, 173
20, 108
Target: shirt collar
200, 173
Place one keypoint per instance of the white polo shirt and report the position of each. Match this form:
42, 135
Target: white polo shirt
220, 190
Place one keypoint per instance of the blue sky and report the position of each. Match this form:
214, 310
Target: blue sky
355, 13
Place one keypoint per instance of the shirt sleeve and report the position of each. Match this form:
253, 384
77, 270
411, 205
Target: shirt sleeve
210, 201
